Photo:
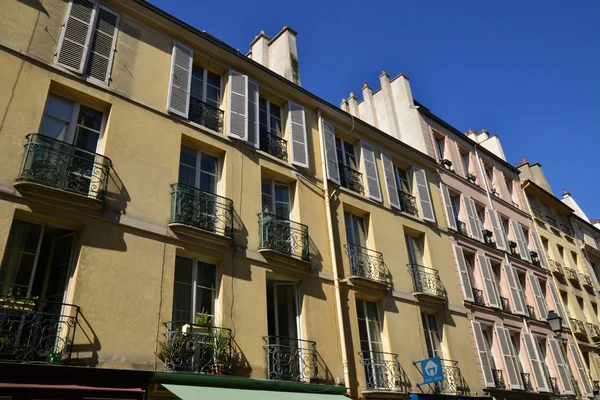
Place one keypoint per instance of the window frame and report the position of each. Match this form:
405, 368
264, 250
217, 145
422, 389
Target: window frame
343, 152
194, 288
205, 84
410, 248
400, 182
440, 146
366, 321
198, 169
356, 218
427, 331
269, 128
273, 185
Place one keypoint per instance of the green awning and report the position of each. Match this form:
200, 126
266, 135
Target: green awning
185, 392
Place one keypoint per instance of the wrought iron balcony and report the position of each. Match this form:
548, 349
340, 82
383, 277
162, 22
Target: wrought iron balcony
554, 385
550, 220
408, 203
578, 327
55, 164
535, 258
571, 274
351, 179
531, 311
527, 385
453, 382
566, 229
505, 303
36, 331
206, 115
427, 281
196, 348
291, 359
273, 144
513, 249
382, 372
556, 267
202, 210
594, 331
368, 264
478, 297
586, 280
498, 379
461, 227
472, 178
537, 213
488, 238
283, 236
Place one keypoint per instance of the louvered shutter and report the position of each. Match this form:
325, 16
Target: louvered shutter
510, 367
521, 241
237, 127
561, 366
501, 243
457, 162
484, 356
489, 281
298, 135
181, 78
584, 383
502, 185
464, 273
425, 203
333, 171
102, 48
472, 217
537, 364
76, 34
448, 206
390, 180
557, 303
253, 114
539, 249
540, 301
370, 169
516, 292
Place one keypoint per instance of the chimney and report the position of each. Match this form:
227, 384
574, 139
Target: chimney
279, 54
566, 194
353, 103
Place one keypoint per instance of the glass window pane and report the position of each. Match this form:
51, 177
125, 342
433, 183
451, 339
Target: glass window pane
205, 301
182, 302
86, 139
59, 107
197, 82
207, 275
267, 204
183, 269
208, 163
187, 156
187, 175
208, 183
282, 193
282, 210
24, 236
213, 79
90, 118
54, 128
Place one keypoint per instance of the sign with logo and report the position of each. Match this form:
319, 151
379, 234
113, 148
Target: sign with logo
432, 370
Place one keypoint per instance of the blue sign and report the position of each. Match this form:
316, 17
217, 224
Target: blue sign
431, 369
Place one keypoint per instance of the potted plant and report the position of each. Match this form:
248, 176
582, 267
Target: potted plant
14, 299
175, 351
221, 345
471, 177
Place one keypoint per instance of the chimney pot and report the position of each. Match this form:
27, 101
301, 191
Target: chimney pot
483, 130
352, 94
565, 191
518, 163
470, 131
365, 84
524, 160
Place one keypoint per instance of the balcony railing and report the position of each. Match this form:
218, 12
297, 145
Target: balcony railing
202, 210
461, 227
594, 330
453, 382
478, 297
351, 179
382, 372
488, 238
531, 311
556, 267
291, 359
283, 236
513, 249
566, 229
578, 327
572, 274
538, 213
427, 280
535, 259
408, 203
554, 385
586, 280
498, 379
505, 303
550, 220
61, 166
196, 348
206, 115
368, 264
36, 331
527, 385
273, 144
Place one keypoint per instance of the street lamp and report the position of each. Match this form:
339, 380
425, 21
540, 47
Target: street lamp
555, 322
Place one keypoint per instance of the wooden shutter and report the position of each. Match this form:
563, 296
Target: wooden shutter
464, 273
561, 366
472, 217
237, 126
501, 243
456, 158
333, 171
537, 364
539, 249
540, 301
102, 48
370, 169
521, 241
557, 303
484, 356
584, 383
253, 114
298, 135
516, 292
181, 78
390, 180
510, 367
426, 205
74, 41
448, 206
489, 281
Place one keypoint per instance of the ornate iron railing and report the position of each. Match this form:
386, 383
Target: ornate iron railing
578, 327
36, 331
62, 166
367, 264
505, 303
554, 385
461, 227
427, 280
206, 115
527, 385
351, 179
408, 203
196, 348
594, 330
478, 297
556, 267
488, 238
453, 380
535, 259
382, 371
571, 274
291, 359
283, 236
566, 229
273, 144
531, 311
513, 249
586, 280
498, 378
203, 210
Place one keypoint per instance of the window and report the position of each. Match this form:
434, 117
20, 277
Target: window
565, 300
369, 328
466, 162
198, 169
561, 252
480, 214
346, 154
489, 173
402, 181
581, 304
440, 144
509, 186
270, 118
414, 245
455, 202
515, 339
574, 257
505, 225
276, 198
595, 308
433, 338
205, 97
545, 244
355, 230
470, 262
488, 335
194, 290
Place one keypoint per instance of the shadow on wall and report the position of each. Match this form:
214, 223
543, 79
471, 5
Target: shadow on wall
239, 362
116, 197
35, 4
86, 345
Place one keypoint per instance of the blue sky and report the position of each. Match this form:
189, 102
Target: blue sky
525, 70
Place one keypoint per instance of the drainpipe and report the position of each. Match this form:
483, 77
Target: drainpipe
332, 250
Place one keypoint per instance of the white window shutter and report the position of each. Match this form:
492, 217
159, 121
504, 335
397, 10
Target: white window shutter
584, 383
448, 206
510, 368
516, 292
540, 301
537, 364
237, 115
370, 169
539, 250
484, 355
426, 205
521, 241
472, 217
74, 41
489, 281
253, 135
561, 366
464, 273
557, 304
390, 180
298, 135
102, 48
181, 78
332, 163
501, 243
